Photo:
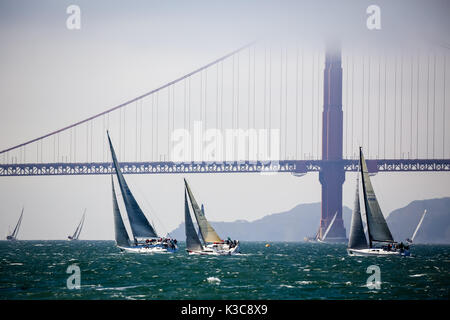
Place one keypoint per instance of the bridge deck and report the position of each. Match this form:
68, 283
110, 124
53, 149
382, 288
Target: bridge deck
296, 167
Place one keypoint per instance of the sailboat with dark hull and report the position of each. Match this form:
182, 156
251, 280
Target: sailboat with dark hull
13, 235
206, 241
77, 232
145, 238
381, 242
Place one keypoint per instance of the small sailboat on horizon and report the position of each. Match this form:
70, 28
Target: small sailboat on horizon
145, 238
77, 232
13, 235
211, 244
377, 228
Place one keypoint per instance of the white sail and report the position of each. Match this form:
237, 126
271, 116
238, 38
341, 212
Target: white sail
16, 229
77, 232
418, 226
329, 226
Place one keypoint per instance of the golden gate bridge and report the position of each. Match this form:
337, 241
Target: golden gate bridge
323, 104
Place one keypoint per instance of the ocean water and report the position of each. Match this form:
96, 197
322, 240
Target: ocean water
38, 270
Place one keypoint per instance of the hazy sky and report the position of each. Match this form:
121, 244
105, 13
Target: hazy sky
52, 77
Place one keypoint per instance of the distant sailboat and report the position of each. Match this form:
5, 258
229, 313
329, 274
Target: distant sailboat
211, 244
417, 228
325, 235
13, 235
377, 228
146, 240
77, 232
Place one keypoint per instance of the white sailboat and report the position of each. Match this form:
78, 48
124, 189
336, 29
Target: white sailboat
417, 228
145, 238
211, 244
325, 235
77, 232
381, 242
13, 235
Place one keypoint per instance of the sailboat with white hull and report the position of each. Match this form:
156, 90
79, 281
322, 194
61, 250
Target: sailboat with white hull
377, 228
145, 238
211, 244
13, 235
77, 232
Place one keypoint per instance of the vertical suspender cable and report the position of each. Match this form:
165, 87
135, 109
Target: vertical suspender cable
281, 99
434, 104
301, 113
395, 104
428, 99
401, 102
286, 107
411, 111
417, 105
443, 110
379, 104
312, 105
296, 106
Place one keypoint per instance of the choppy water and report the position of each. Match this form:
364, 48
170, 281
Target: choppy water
37, 270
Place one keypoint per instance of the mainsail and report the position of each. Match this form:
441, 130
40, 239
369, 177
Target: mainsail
140, 226
418, 226
357, 238
120, 232
16, 229
329, 226
77, 232
192, 241
377, 227
207, 231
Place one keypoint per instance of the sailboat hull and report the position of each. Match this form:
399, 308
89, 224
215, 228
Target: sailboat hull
10, 238
376, 252
217, 250
148, 249
333, 240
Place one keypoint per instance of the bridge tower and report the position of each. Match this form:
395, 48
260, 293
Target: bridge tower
332, 174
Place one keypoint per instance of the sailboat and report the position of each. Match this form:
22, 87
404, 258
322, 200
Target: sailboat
210, 243
77, 232
13, 235
417, 228
145, 238
325, 235
377, 228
